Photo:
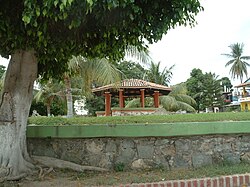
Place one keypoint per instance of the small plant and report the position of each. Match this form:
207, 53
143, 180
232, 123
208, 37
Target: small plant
119, 167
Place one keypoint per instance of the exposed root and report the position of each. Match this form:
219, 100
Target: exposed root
62, 164
42, 174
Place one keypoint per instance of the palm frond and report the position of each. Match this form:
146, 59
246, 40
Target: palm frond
245, 57
227, 55
169, 103
141, 55
186, 99
185, 107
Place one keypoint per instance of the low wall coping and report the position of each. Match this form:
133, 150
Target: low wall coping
139, 130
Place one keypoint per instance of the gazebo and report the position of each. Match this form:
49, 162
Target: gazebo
130, 88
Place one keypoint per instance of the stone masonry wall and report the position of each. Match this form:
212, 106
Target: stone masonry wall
152, 152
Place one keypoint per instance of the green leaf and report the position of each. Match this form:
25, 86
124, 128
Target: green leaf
70, 1
55, 3
44, 12
37, 12
90, 2
26, 19
65, 15
61, 7
64, 2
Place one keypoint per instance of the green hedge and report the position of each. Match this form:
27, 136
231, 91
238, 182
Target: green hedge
146, 119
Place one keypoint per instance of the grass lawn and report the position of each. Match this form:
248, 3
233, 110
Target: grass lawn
172, 118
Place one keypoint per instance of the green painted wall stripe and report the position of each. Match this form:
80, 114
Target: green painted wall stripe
139, 130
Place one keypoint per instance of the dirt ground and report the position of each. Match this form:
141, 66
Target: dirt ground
66, 178
51, 180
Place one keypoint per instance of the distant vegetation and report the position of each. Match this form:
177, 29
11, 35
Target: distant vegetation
147, 119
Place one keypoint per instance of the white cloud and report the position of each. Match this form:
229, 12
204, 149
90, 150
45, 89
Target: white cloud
223, 22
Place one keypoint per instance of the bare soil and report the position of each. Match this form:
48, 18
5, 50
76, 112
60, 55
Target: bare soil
68, 178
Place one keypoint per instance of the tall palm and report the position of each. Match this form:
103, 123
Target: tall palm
88, 71
238, 64
160, 77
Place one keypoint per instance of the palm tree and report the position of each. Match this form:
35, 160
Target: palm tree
237, 63
88, 72
176, 100
48, 91
160, 77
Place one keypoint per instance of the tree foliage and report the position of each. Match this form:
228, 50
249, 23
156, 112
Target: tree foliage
131, 70
195, 87
206, 89
48, 92
2, 70
93, 28
212, 91
154, 74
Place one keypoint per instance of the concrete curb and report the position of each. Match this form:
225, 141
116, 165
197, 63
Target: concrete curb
242, 180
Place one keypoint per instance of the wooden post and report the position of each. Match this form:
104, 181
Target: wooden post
121, 99
156, 99
142, 98
107, 104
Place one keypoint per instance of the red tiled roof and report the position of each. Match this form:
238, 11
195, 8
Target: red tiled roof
132, 83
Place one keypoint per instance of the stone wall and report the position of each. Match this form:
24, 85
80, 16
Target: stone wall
152, 152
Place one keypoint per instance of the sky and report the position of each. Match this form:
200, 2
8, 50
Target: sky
222, 23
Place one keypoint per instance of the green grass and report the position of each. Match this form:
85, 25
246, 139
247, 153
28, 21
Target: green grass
157, 175
146, 119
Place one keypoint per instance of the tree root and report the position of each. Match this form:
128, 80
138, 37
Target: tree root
62, 164
42, 173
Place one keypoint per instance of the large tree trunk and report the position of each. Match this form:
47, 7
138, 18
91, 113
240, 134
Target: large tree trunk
68, 96
14, 110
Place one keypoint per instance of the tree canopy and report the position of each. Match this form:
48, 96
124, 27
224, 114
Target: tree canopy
93, 28
206, 88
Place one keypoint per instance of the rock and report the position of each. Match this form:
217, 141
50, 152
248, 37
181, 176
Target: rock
199, 160
141, 164
246, 157
145, 151
232, 158
95, 147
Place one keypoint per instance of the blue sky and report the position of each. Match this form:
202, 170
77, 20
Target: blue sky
223, 22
